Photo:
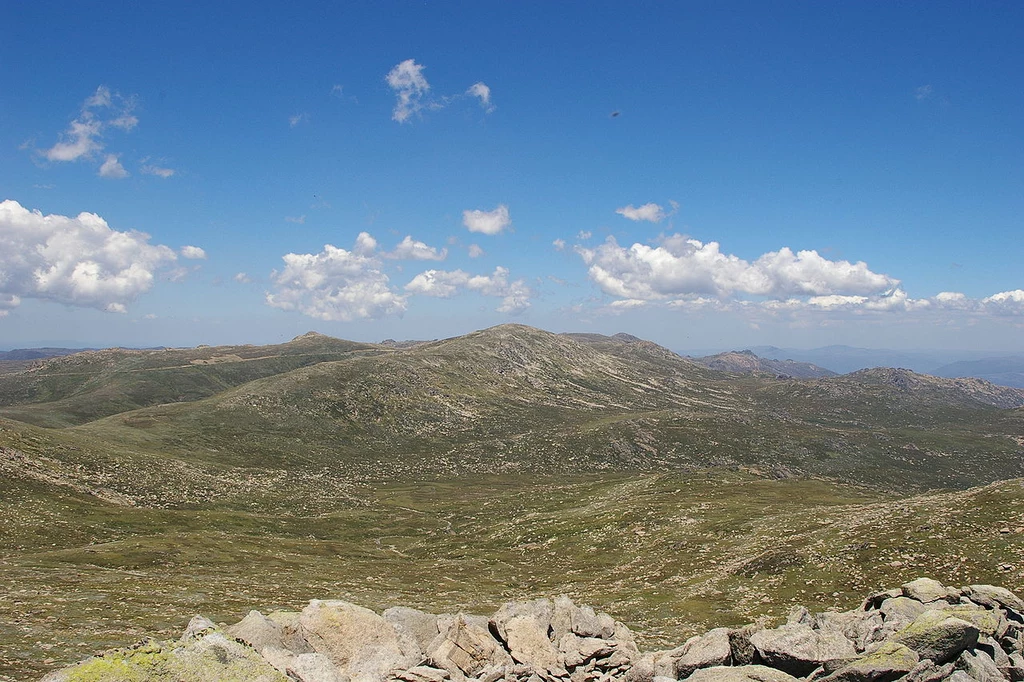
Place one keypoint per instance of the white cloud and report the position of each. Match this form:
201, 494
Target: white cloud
923, 92
296, 119
365, 244
100, 98
159, 171
82, 138
484, 93
125, 122
1005, 302
411, 88
242, 278
112, 168
559, 244
584, 235
681, 266
475, 251
298, 220
193, 253
652, 213
515, 295
79, 141
409, 249
337, 90
336, 284
487, 222
79, 261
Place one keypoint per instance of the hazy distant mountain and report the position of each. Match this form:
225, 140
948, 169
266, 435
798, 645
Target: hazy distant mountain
747, 362
843, 359
1005, 371
22, 354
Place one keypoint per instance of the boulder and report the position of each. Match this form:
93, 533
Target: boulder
743, 673
799, 615
743, 652
665, 660
888, 662
960, 676
197, 626
419, 627
938, 636
926, 590
466, 649
713, 649
359, 642
527, 641
641, 671
903, 610
257, 631
874, 600
980, 666
291, 631
862, 628
423, 673
928, 671
994, 651
989, 623
798, 650
205, 654
541, 610
994, 597
313, 667
575, 651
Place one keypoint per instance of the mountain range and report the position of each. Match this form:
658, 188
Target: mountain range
143, 485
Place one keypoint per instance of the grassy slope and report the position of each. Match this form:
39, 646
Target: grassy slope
669, 553
369, 478
78, 388
516, 399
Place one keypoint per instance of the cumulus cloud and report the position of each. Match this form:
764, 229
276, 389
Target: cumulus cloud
682, 266
193, 253
411, 89
409, 249
481, 91
515, 295
1005, 302
487, 222
559, 244
112, 168
652, 213
78, 261
336, 284
475, 251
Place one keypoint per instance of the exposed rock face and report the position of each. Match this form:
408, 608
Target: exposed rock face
922, 632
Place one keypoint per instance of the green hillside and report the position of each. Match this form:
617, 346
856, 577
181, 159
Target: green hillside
459, 473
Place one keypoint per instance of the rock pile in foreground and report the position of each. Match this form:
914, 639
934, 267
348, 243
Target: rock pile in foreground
921, 632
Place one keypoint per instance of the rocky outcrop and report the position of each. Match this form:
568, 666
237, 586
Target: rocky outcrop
922, 632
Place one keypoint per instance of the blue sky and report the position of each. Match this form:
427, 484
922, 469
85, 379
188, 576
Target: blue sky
701, 174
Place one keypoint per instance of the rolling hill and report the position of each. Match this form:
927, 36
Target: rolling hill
142, 486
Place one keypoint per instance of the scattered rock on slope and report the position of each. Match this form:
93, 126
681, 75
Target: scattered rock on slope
923, 632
